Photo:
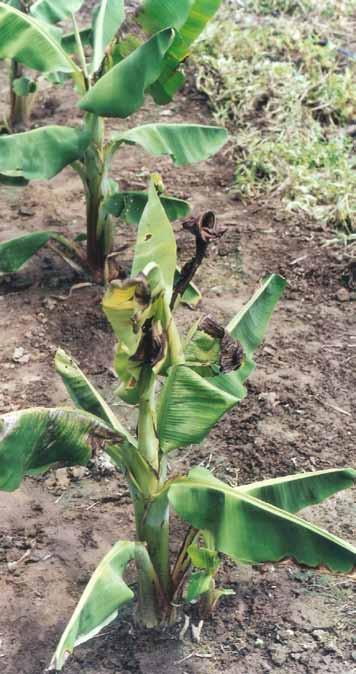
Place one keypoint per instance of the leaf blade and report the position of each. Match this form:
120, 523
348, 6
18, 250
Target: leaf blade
185, 143
253, 531
36, 438
24, 38
107, 22
120, 92
42, 153
101, 600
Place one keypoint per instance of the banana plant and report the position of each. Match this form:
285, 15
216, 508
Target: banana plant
111, 82
180, 389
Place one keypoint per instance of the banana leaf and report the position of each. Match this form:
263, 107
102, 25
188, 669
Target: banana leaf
185, 143
107, 21
253, 531
120, 92
28, 41
32, 440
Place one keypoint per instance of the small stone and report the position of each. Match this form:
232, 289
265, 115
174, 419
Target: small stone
279, 655
343, 295
19, 356
62, 478
353, 655
27, 212
49, 303
78, 472
259, 643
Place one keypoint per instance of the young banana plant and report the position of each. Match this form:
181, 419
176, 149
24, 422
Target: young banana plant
112, 83
202, 378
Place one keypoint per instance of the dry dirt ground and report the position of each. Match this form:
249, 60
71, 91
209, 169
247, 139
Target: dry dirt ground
298, 416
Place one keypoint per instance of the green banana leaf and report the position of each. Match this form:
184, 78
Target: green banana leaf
12, 180
189, 406
185, 143
34, 439
192, 295
121, 91
295, 492
199, 583
249, 327
155, 14
24, 86
129, 206
100, 602
69, 42
14, 253
53, 11
28, 41
107, 21
201, 12
42, 153
155, 241
253, 531
84, 394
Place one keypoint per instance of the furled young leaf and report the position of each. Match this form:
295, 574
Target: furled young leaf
121, 91
100, 602
295, 492
83, 392
14, 253
253, 531
34, 439
154, 15
42, 153
129, 206
28, 41
249, 328
53, 11
170, 80
155, 240
107, 22
185, 143
189, 407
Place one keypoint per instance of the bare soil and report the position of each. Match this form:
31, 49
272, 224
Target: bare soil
298, 416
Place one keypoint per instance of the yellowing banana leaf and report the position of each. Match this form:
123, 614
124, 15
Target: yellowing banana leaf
28, 41
155, 241
107, 22
129, 206
189, 406
34, 439
100, 602
157, 14
84, 394
53, 11
42, 153
253, 531
121, 91
185, 143
127, 306
200, 13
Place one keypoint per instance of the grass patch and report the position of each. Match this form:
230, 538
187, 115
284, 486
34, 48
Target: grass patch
284, 84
